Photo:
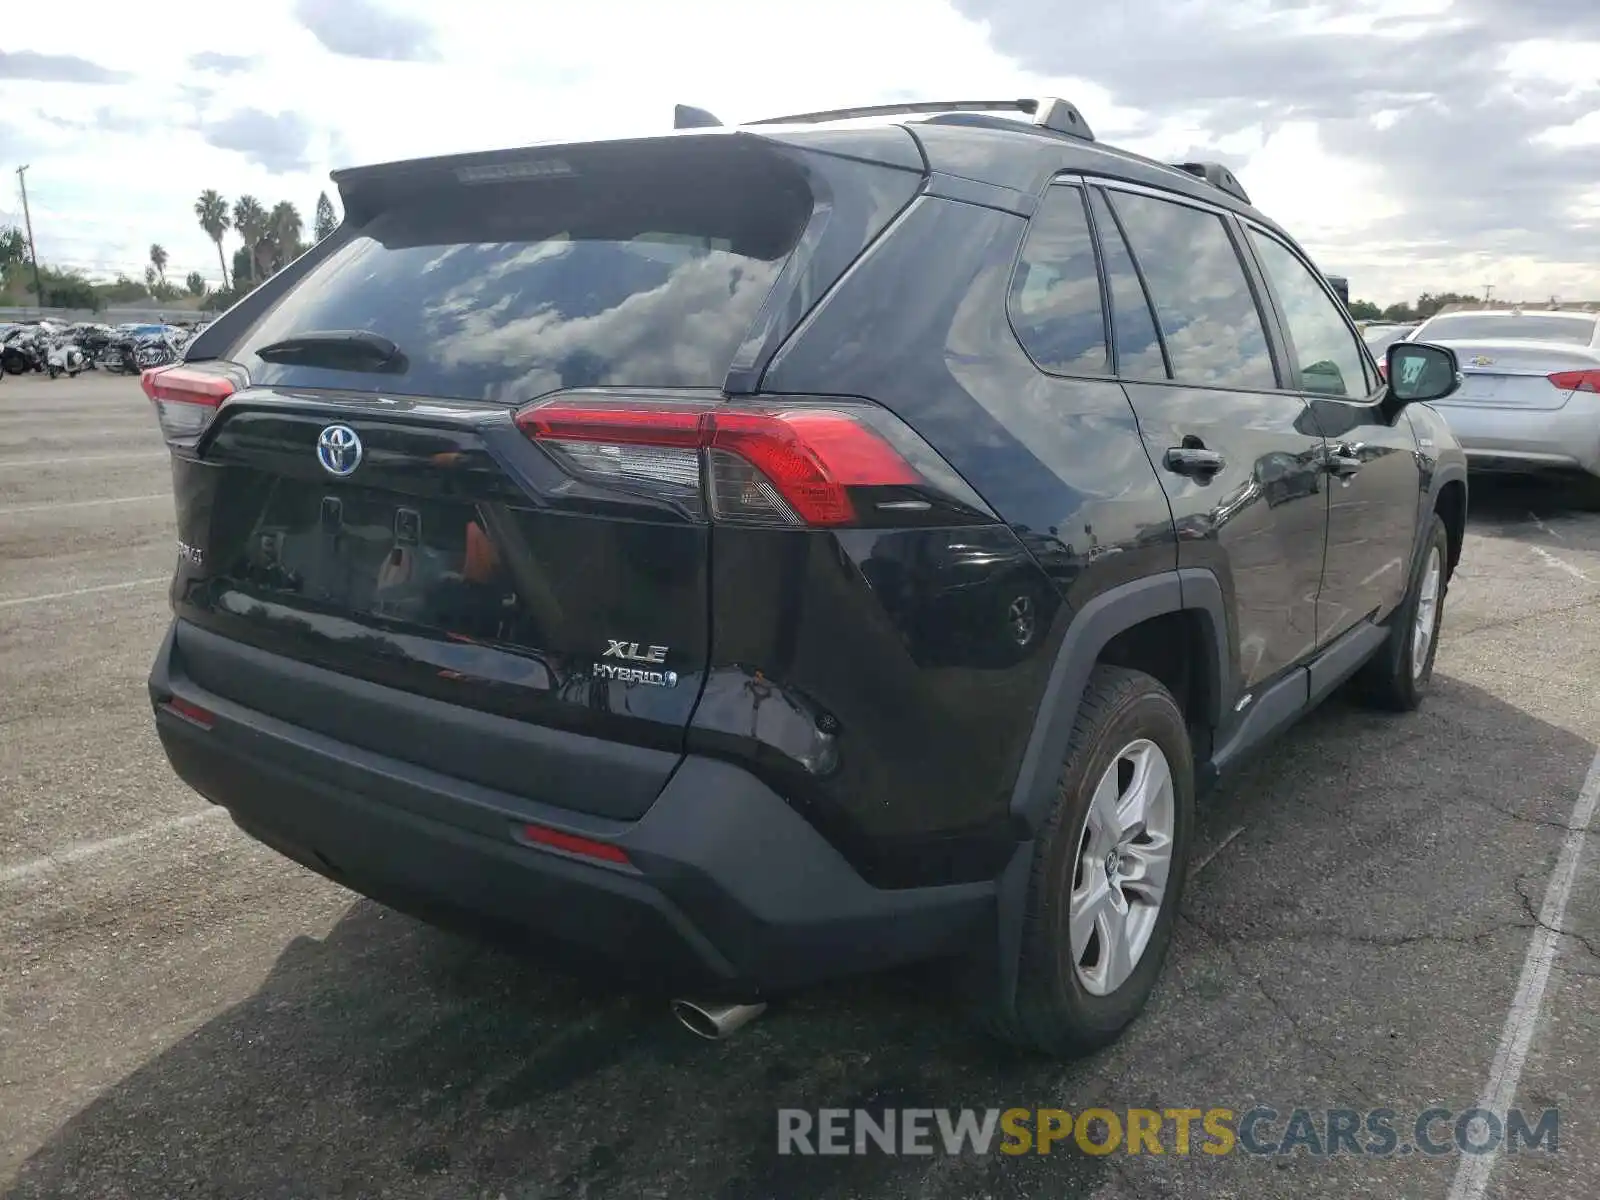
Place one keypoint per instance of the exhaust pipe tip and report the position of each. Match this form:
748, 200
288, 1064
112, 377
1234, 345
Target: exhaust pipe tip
715, 1022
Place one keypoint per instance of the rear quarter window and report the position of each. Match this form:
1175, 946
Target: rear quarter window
1055, 293
508, 292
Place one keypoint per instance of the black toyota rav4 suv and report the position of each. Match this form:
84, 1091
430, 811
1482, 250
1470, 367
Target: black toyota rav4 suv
751, 555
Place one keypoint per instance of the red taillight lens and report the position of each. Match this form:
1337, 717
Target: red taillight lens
187, 396
573, 844
1577, 381
772, 464
1383, 370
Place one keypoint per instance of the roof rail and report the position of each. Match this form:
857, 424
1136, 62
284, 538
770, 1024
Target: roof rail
1048, 112
1218, 176
686, 116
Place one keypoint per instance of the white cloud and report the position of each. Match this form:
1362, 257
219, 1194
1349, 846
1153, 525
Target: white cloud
250, 99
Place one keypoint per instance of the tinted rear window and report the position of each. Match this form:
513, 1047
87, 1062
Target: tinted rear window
509, 291
1488, 327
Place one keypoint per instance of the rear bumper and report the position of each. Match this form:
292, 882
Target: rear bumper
728, 893
1563, 438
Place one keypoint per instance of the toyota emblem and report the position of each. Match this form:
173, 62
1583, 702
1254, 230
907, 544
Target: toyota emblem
339, 450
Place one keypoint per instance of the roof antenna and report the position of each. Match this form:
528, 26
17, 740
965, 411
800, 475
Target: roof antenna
685, 116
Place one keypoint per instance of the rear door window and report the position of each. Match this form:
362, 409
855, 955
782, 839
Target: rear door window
1208, 315
1055, 293
510, 291
1133, 323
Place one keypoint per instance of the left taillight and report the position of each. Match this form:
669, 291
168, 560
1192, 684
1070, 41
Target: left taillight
1577, 381
187, 396
800, 462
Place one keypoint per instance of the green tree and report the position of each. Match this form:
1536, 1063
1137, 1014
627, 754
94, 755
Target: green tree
212, 211
158, 260
286, 227
1364, 310
13, 247
1429, 304
67, 289
1402, 312
243, 279
250, 219
124, 291
326, 222
195, 284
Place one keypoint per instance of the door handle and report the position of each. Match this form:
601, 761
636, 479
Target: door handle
1342, 461
1195, 461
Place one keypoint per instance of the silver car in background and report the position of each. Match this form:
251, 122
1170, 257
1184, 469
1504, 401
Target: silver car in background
1530, 392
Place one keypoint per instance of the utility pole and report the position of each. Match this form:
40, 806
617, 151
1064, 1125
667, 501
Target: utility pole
33, 250
1488, 290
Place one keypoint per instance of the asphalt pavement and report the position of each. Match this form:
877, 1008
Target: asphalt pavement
1386, 913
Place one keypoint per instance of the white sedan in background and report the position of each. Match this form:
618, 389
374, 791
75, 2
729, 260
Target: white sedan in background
1530, 393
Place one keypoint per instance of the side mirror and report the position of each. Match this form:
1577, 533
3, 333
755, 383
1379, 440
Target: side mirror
1418, 371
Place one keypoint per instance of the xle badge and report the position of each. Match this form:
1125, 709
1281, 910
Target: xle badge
632, 652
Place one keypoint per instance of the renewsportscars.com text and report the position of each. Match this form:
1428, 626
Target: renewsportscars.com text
1378, 1132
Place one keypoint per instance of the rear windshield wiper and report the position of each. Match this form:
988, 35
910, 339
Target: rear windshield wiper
337, 349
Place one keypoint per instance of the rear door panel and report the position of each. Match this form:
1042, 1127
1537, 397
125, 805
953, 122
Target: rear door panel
1259, 523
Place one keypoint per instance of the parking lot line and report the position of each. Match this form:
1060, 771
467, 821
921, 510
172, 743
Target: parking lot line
73, 459
83, 850
57, 506
85, 591
1472, 1176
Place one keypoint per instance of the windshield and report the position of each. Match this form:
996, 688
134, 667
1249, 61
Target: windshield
1488, 327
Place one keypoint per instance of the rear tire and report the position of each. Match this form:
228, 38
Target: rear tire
1103, 897
1397, 677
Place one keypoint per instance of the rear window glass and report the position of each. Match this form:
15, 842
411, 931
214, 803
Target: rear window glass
510, 291
1537, 327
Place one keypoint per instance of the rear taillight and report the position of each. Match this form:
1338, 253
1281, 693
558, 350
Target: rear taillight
1383, 370
1577, 381
187, 395
785, 462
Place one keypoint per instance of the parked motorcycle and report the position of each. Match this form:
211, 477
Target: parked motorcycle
63, 357
156, 350
23, 352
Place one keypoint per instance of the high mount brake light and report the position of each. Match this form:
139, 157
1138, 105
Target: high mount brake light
187, 396
777, 464
1577, 381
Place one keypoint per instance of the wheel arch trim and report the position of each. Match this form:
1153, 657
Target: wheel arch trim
1114, 611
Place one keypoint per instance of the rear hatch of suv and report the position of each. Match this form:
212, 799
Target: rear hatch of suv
362, 495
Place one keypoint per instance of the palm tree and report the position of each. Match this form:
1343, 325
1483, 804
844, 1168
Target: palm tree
212, 210
158, 260
286, 227
250, 219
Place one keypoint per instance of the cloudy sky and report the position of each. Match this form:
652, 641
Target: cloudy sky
1411, 144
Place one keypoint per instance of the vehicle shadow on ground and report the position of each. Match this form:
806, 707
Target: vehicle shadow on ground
1515, 505
393, 1059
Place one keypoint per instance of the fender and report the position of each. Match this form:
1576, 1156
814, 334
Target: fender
1092, 628
1442, 461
